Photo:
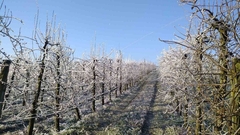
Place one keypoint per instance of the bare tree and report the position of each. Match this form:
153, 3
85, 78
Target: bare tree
214, 37
46, 42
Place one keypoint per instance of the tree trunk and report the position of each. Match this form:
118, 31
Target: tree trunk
77, 113
57, 96
110, 81
221, 112
102, 84
110, 88
3, 82
94, 86
235, 97
110, 93
120, 76
117, 83
198, 130
33, 111
102, 87
25, 98
179, 107
198, 112
185, 114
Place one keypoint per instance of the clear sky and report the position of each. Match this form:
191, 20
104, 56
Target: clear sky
132, 26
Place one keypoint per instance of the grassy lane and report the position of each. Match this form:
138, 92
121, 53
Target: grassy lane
140, 111
150, 115
157, 121
125, 115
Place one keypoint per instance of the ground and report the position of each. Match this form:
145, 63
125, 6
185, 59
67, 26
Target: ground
140, 110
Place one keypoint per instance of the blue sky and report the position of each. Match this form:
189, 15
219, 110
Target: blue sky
132, 26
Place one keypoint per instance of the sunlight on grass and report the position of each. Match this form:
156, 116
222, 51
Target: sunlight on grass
156, 131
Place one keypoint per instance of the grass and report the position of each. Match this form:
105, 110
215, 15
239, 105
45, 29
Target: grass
137, 111
129, 112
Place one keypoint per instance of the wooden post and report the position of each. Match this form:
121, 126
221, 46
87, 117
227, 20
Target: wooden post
11, 82
3, 81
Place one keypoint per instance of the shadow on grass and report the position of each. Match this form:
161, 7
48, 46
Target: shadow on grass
149, 116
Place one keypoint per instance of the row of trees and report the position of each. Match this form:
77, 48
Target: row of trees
48, 81
203, 74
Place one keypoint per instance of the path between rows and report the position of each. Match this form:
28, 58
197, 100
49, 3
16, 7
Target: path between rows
138, 112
